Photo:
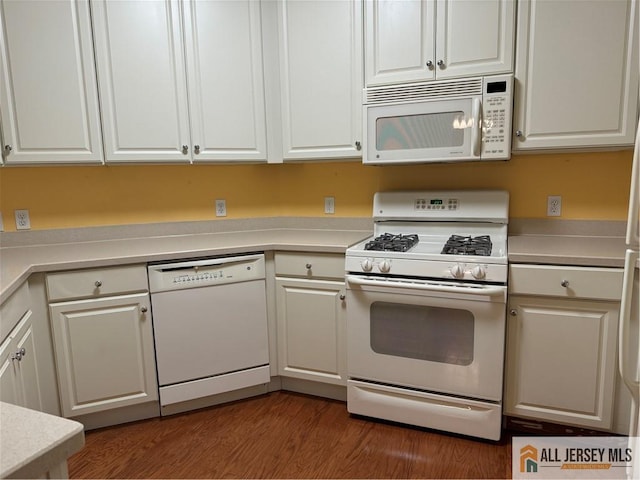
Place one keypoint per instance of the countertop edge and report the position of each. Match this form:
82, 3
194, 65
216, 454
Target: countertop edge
37, 459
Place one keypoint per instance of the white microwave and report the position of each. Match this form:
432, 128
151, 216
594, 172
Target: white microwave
441, 121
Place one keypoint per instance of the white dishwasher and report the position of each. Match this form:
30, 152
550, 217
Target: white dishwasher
210, 326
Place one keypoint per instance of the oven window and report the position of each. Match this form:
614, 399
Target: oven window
426, 333
431, 130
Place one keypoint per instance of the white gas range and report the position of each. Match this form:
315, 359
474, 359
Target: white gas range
427, 311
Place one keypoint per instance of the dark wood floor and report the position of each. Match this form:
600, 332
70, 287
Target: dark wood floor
283, 435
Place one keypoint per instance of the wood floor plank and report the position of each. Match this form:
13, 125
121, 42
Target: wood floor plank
283, 435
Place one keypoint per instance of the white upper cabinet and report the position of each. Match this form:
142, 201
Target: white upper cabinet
48, 95
421, 40
225, 77
180, 81
320, 47
577, 74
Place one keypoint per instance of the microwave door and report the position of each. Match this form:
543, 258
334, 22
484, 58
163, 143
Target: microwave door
430, 131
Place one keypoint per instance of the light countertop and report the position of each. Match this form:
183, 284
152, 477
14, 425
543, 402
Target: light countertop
18, 262
32, 442
598, 244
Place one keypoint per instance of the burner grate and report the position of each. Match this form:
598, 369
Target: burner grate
391, 242
460, 245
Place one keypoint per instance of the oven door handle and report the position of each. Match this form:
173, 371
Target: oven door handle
429, 287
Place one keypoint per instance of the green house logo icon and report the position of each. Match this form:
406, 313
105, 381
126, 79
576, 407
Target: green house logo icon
528, 459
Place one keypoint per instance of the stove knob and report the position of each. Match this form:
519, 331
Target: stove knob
384, 266
367, 265
478, 272
457, 271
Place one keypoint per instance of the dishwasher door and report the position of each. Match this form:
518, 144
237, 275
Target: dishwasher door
210, 339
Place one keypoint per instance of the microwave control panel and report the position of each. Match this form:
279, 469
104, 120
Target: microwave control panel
497, 98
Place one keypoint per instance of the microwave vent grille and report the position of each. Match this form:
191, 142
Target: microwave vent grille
424, 91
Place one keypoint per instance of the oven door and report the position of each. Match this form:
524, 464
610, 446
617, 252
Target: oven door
433, 336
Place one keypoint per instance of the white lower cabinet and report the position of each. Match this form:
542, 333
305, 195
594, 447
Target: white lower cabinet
19, 382
311, 317
562, 344
19, 375
103, 344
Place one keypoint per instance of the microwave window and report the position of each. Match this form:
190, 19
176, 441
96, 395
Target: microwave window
430, 130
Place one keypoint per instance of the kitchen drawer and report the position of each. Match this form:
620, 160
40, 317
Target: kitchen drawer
13, 309
310, 265
97, 282
567, 282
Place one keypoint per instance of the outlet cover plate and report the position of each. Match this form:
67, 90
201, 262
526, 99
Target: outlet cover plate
23, 222
329, 205
221, 207
554, 205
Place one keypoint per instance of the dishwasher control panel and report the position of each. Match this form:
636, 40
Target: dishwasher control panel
201, 273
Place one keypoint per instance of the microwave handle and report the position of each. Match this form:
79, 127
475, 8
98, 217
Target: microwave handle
476, 133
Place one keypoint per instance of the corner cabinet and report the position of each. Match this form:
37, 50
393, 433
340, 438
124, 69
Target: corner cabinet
103, 339
311, 316
48, 95
19, 375
576, 74
422, 40
320, 50
181, 81
562, 344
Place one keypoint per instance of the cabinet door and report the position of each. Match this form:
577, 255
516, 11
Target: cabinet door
142, 80
48, 92
399, 41
28, 381
226, 80
474, 37
19, 382
575, 88
104, 353
320, 73
311, 330
561, 360
8, 373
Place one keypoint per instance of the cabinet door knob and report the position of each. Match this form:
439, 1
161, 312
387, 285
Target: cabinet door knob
143, 309
358, 146
196, 149
185, 149
518, 133
20, 353
564, 283
513, 312
430, 64
441, 63
8, 148
98, 284
308, 266
342, 296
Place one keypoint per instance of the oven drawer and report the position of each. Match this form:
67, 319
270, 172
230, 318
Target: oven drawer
310, 265
567, 282
97, 282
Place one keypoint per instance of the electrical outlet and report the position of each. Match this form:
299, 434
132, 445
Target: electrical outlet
221, 208
554, 206
22, 220
1, 223
329, 205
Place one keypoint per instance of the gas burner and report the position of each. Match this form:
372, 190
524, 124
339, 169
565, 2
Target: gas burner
391, 242
459, 245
